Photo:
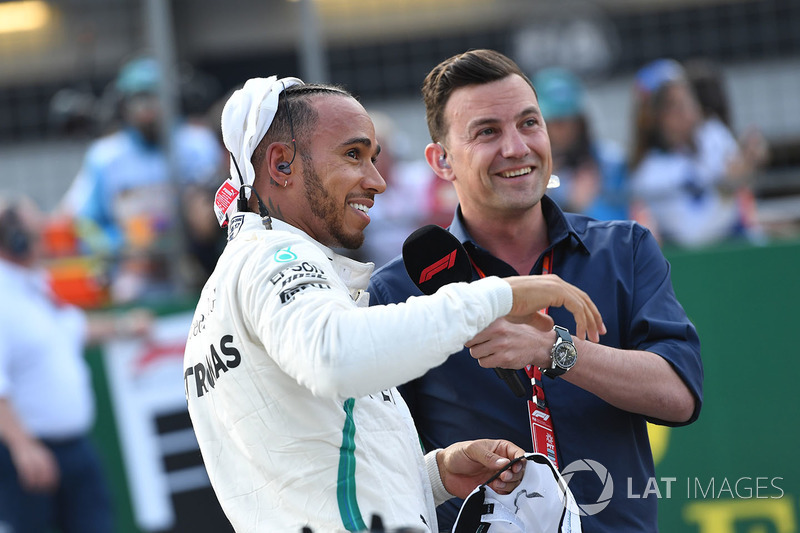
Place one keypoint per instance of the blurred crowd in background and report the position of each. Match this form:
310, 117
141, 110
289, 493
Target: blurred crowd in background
138, 226
134, 222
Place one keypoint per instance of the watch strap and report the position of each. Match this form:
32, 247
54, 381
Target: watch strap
554, 371
563, 333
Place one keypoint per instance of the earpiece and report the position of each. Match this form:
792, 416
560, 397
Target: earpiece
443, 158
284, 167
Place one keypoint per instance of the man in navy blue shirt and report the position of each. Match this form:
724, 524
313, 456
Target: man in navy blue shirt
491, 143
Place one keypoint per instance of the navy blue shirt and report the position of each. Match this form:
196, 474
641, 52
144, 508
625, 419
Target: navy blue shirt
620, 265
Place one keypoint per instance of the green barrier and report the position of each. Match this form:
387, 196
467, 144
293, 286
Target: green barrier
107, 441
735, 470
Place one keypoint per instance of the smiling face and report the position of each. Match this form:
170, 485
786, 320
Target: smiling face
497, 147
339, 177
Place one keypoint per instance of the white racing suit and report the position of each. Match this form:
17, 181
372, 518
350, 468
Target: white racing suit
290, 384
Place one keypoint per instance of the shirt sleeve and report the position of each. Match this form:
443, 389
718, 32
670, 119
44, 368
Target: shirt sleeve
87, 201
659, 323
310, 325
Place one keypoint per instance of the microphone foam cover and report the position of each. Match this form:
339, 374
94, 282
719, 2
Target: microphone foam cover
434, 257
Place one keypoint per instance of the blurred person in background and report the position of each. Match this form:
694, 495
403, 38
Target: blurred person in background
124, 199
593, 172
683, 180
743, 157
50, 473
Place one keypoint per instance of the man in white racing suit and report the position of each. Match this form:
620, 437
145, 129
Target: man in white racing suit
289, 375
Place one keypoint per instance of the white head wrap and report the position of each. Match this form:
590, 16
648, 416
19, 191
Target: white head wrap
246, 118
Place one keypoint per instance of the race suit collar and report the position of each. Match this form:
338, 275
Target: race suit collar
354, 273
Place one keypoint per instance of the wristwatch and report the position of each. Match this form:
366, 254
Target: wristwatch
562, 354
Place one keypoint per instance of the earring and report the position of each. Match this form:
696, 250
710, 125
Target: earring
285, 183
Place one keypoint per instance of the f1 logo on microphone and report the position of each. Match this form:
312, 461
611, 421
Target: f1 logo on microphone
442, 264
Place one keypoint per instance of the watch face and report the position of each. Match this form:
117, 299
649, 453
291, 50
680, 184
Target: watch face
565, 355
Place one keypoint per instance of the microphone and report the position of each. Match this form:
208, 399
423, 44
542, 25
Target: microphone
434, 257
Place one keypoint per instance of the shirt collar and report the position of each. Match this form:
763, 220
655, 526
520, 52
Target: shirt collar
559, 228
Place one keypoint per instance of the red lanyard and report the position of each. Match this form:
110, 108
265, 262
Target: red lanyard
542, 434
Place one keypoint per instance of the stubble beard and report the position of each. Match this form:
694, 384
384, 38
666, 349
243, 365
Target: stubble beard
323, 206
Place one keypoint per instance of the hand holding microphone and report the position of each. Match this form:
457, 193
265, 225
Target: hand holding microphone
433, 257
